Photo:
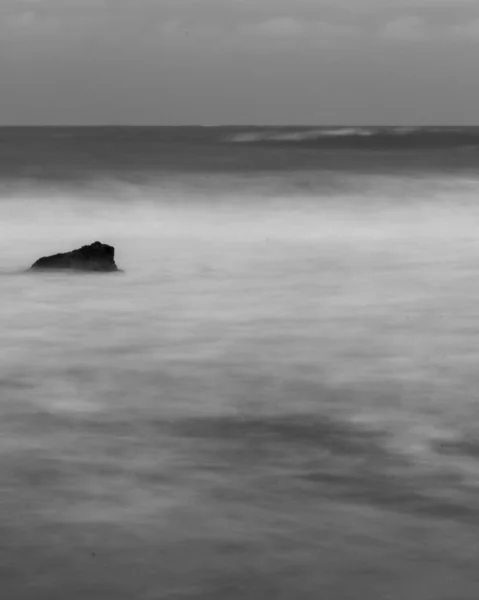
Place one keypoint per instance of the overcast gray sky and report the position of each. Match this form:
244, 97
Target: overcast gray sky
239, 62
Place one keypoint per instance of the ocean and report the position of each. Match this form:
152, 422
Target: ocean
277, 398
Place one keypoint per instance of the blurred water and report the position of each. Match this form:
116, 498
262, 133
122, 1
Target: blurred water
277, 399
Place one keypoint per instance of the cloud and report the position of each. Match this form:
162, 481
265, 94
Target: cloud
274, 19
289, 30
405, 29
41, 18
29, 27
410, 30
468, 32
280, 27
256, 24
31, 22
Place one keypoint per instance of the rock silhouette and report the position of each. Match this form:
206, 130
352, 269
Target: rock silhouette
95, 257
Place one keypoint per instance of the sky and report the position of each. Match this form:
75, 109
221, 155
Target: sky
213, 62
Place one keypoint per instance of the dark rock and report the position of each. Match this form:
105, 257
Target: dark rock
96, 257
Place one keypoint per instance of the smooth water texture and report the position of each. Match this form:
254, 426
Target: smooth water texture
276, 399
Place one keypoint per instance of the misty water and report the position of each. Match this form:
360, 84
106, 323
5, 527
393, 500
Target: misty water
276, 399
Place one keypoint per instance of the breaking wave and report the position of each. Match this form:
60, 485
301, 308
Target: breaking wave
362, 137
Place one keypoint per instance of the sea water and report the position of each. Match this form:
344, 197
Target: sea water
276, 399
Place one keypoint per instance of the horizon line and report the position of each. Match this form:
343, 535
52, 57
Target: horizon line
223, 125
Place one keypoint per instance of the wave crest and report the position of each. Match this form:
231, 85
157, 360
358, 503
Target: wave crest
372, 137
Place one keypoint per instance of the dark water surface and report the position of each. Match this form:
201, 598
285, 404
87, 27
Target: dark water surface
277, 399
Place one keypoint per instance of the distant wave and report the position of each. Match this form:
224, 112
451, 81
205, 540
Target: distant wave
300, 135
364, 137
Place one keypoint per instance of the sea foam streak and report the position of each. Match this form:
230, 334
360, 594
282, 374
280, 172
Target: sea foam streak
361, 137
